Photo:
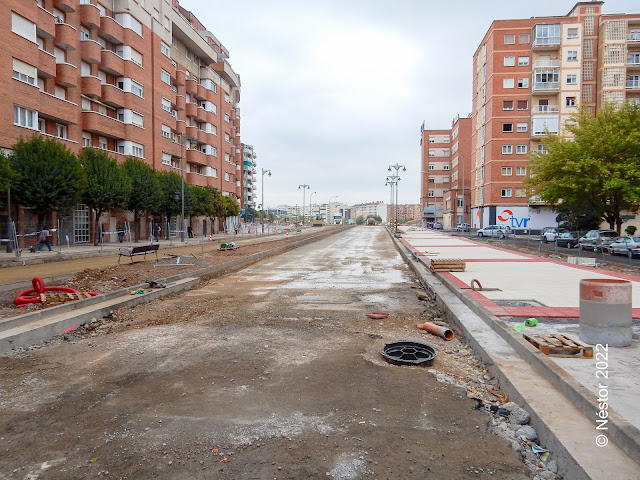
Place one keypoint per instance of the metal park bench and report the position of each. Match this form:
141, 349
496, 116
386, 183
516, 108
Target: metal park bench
142, 250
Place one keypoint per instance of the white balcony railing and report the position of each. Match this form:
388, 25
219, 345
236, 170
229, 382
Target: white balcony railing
633, 83
546, 86
545, 109
546, 63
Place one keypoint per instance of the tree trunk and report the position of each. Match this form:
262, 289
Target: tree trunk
136, 225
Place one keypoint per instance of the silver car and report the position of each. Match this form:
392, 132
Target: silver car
499, 231
629, 246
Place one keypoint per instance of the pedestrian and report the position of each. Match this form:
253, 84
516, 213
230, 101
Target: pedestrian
190, 231
121, 233
44, 239
158, 229
236, 228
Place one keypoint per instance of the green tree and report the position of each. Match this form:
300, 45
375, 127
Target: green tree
377, 218
598, 172
203, 198
359, 220
49, 177
231, 208
7, 174
171, 194
108, 186
145, 194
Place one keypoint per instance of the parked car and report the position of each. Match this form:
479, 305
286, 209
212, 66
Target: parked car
629, 246
437, 226
567, 239
463, 227
598, 239
499, 231
549, 235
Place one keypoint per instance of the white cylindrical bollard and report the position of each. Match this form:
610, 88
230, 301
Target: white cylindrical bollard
605, 312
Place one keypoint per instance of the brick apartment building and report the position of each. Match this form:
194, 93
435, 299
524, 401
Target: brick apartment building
446, 173
369, 209
530, 76
248, 176
410, 211
134, 78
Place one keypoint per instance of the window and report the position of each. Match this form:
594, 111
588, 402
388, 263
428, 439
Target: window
547, 34
572, 33
86, 139
60, 92
572, 79
102, 143
135, 56
24, 72
521, 127
165, 77
542, 149
25, 117
509, 61
164, 48
432, 140
432, 153
507, 83
523, 61
227, 138
166, 158
507, 127
137, 150
523, 83
571, 101
227, 118
137, 119
521, 170
166, 104
23, 27
521, 149
521, 192
509, 39
523, 104
431, 193
507, 149
432, 167
431, 180
524, 38
506, 171
61, 130
572, 56
507, 105
505, 192
459, 202
214, 152
84, 34
445, 167
227, 176
42, 125
136, 88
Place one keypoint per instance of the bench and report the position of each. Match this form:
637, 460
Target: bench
142, 250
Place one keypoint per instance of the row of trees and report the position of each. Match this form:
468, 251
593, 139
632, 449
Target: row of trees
44, 176
596, 175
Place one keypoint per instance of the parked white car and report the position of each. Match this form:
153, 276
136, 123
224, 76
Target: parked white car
499, 231
549, 235
629, 246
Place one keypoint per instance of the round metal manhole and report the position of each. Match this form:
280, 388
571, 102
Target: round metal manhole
408, 352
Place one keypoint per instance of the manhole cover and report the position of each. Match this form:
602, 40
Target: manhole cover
408, 352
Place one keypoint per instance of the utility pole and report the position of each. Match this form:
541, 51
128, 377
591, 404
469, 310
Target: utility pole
304, 187
397, 167
264, 170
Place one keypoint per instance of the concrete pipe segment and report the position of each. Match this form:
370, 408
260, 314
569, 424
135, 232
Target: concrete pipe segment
605, 312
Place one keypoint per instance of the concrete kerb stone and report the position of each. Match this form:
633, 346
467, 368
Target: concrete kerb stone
625, 435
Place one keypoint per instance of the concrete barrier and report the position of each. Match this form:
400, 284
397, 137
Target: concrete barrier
605, 312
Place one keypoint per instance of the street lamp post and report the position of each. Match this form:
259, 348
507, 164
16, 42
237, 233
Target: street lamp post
397, 167
264, 170
304, 187
311, 205
182, 222
393, 181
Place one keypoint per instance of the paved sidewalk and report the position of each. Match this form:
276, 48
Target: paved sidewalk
515, 286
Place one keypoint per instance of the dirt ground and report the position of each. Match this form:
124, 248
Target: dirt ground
273, 372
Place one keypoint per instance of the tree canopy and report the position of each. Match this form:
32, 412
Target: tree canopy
171, 194
49, 177
6, 173
596, 172
145, 193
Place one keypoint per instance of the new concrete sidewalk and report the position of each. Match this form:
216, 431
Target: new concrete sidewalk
517, 286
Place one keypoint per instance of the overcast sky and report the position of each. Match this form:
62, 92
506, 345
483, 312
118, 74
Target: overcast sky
334, 91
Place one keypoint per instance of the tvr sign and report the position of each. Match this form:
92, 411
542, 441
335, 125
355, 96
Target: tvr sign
516, 222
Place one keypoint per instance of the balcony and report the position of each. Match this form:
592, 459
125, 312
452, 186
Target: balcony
91, 87
541, 64
634, 36
112, 63
64, 5
111, 30
66, 36
633, 62
90, 51
227, 73
191, 132
46, 25
536, 109
201, 93
113, 96
56, 108
102, 125
89, 15
190, 109
66, 75
545, 87
191, 86
180, 127
46, 64
201, 114
195, 156
633, 84
180, 102
196, 179
180, 78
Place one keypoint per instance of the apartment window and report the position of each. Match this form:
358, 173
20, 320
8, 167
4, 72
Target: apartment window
446, 140
522, 127
460, 202
23, 27
102, 143
165, 77
445, 167
166, 131
227, 176
432, 140
571, 101
524, 38
431, 193
137, 150
166, 158
166, 104
507, 149
135, 57
572, 56
572, 33
61, 130
214, 152
547, 34
506, 171
227, 138
164, 48
432, 167
84, 34
509, 39
507, 127
541, 149
509, 61
505, 192
136, 88
60, 92
572, 79
227, 118
137, 119
521, 170
523, 61
24, 72
431, 180
86, 139
25, 117
507, 105
432, 153
523, 83
523, 104
521, 149
507, 83
521, 192
42, 125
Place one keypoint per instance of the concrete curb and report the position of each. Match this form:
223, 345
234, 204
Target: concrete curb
41, 318
623, 434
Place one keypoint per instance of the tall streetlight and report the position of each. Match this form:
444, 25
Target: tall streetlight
391, 184
304, 187
329, 211
311, 205
397, 167
393, 181
264, 170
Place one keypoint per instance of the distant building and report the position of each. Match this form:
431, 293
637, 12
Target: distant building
404, 212
366, 209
